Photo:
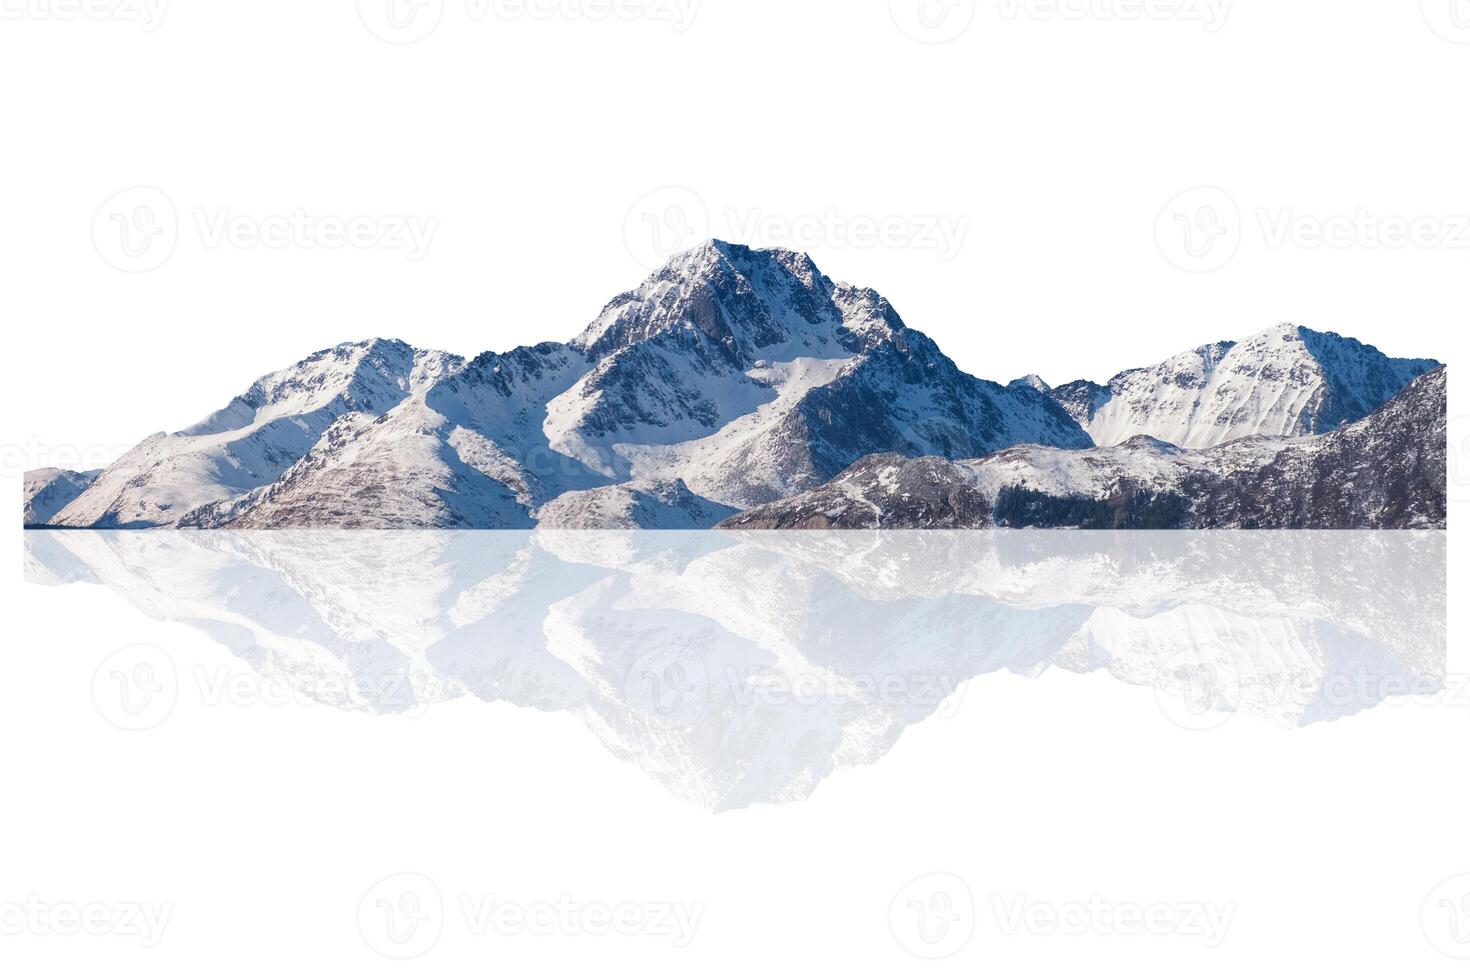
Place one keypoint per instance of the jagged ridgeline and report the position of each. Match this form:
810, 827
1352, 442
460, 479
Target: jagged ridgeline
743, 386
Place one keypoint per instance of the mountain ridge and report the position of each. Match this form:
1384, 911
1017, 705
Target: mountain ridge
1387, 470
730, 379
743, 374
1287, 380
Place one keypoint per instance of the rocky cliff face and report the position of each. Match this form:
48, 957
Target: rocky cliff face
1388, 470
1384, 471
880, 491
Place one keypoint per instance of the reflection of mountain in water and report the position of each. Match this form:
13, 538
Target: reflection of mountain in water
744, 668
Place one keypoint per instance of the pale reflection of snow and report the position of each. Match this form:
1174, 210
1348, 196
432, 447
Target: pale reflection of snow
741, 668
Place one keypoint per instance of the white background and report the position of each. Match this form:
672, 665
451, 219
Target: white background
533, 144
266, 826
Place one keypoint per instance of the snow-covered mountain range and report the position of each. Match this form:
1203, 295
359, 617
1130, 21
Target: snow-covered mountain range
1384, 471
730, 379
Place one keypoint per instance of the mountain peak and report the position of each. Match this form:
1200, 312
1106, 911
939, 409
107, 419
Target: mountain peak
363, 375
1286, 380
1032, 381
743, 302
1285, 332
716, 249
1301, 339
